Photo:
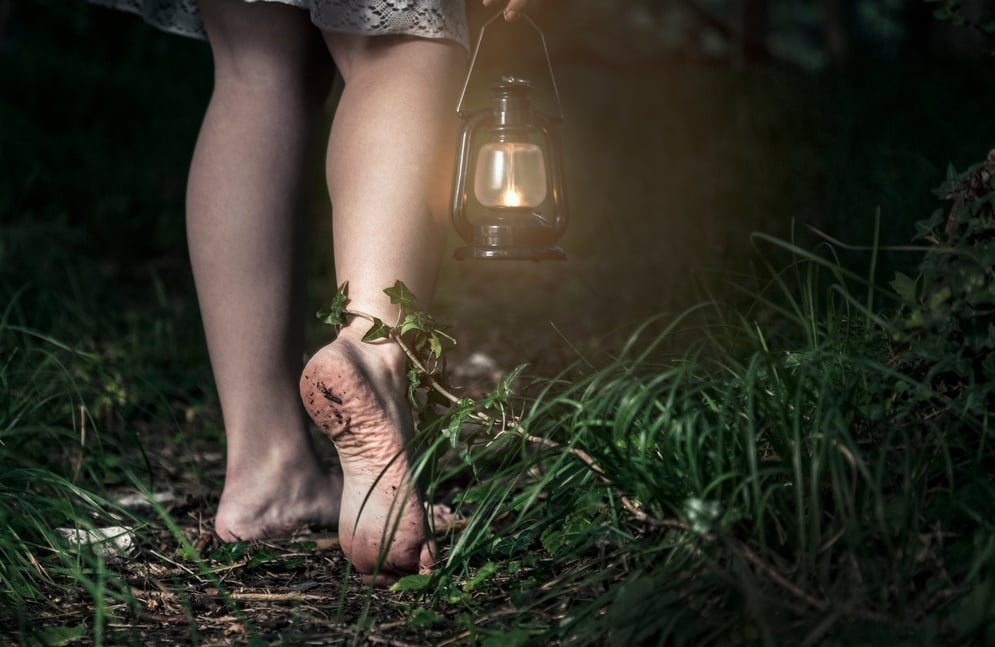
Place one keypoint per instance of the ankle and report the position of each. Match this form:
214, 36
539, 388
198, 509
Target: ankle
383, 354
262, 462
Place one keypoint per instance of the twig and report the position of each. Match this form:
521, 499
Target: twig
743, 551
514, 427
380, 640
80, 456
186, 569
411, 355
867, 248
937, 248
38, 567
290, 596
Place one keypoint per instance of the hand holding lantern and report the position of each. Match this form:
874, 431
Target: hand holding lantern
517, 209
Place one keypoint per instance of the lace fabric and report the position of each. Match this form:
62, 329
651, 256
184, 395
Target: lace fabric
424, 18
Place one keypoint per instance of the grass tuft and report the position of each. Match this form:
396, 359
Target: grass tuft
791, 479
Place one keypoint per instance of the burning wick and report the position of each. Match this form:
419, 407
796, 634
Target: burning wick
512, 197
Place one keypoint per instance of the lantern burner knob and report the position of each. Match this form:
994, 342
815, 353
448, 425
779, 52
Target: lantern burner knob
513, 82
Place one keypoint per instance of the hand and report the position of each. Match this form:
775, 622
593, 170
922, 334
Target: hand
512, 7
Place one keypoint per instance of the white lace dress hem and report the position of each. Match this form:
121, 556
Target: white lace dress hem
423, 18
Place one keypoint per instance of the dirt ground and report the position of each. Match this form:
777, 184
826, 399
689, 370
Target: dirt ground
299, 590
294, 591
632, 246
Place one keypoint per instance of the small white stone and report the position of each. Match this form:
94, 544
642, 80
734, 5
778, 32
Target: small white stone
479, 363
113, 542
139, 500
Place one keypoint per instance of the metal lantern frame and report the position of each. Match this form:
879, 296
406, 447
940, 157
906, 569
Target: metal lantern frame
509, 232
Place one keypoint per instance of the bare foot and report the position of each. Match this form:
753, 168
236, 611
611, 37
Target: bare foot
275, 496
355, 392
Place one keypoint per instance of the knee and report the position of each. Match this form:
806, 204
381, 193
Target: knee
266, 47
393, 56
241, 80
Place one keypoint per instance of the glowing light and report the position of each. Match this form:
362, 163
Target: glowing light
512, 197
511, 174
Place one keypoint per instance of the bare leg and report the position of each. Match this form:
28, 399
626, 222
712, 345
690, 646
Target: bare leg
246, 196
389, 164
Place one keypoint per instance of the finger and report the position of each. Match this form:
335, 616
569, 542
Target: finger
514, 8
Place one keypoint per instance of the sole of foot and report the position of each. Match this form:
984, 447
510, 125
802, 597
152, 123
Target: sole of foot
356, 394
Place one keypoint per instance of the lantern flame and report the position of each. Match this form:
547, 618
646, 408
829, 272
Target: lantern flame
512, 197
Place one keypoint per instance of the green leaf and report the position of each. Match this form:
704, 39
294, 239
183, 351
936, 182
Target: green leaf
513, 638
482, 574
451, 432
401, 295
483, 493
379, 330
566, 535
435, 346
939, 298
463, 410
419, 582
926, 227
422, 617
504, 389
261, 556
701, 514
414, 381
230, 552
334, 313
904, 287
416, 321
58, 636
303, 546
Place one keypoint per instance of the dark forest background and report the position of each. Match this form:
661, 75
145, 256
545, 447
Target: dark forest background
690, 123
695, 133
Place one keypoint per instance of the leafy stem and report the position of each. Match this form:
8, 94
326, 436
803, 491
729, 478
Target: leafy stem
421, 339
414, 332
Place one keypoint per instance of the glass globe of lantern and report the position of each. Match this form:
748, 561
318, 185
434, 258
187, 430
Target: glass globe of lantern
510, 174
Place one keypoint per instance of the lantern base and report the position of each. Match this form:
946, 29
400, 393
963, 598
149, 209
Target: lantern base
508, 238
510, 253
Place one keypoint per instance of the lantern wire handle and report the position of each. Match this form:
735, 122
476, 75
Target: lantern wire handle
476, 50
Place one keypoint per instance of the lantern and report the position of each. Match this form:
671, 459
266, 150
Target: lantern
508, 198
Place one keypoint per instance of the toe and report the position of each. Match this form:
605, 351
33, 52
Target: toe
428, 558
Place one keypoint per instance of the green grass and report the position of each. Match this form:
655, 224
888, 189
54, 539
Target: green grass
812, 485
812, 470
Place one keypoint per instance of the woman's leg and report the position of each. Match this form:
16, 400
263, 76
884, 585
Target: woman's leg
246, 208
389, 170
